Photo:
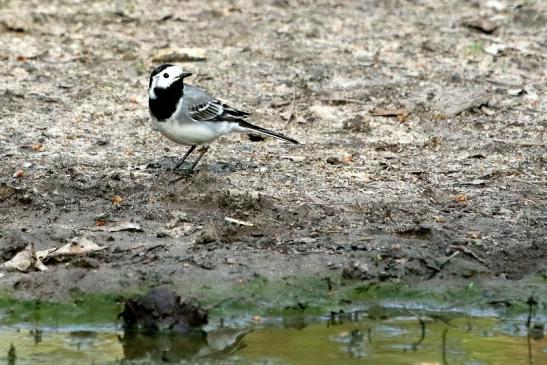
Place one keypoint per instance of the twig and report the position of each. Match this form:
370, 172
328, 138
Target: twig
470, 253
422, 325
531, 304
237, 221
438, 270
291, 110
343, 101
444, 346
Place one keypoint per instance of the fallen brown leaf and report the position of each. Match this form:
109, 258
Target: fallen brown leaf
460, 198
116, 199
400, 113
38, 147
76, 246
341, 160
19, 173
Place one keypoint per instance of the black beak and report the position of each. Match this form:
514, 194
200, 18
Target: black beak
185, 74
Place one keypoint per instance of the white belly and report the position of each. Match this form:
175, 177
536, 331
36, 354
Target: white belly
193, 133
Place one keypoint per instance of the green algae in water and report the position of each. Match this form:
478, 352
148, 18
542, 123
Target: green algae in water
397, 337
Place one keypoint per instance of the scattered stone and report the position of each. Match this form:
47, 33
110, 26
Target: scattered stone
86, 263
482, 24
495, 49
456, 101
255, 137
207, 235
6, 191
237, 221
294, 158
122, 226
502, 211
357, 124
496, 5
306, 240
345, 159
516, 92
180, 55
356, 271
15, 23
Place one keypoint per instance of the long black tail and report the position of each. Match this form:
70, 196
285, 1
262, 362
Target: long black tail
255, 128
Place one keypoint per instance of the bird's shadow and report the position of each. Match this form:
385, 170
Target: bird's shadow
168, 163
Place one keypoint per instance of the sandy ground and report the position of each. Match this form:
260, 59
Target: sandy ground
422, 127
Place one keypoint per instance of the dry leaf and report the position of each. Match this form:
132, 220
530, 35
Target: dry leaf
77, 246
390, 112
460, 198
341, 160
38, 147
27, 259
439, 219
474, 235
19, 173
116, 199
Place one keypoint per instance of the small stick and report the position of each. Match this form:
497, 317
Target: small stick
470, 253
237, 221
291, 110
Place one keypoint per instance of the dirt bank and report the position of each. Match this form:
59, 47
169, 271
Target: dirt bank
423, 131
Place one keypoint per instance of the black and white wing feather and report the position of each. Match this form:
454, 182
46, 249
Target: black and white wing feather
203, 107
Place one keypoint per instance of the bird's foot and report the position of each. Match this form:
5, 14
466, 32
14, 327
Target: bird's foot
182, 175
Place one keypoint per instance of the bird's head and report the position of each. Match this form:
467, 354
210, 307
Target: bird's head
164, 77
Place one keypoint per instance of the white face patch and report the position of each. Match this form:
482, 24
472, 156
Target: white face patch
164, 79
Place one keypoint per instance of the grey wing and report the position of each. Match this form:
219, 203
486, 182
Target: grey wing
203, 107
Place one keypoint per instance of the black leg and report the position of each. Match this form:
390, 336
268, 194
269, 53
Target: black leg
185, 157
203, 151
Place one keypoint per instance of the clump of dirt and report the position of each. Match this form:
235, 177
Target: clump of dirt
162, 309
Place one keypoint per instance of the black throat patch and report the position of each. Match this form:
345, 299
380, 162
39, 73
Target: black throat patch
165, 103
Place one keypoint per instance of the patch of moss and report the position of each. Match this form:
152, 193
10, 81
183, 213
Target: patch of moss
294, 297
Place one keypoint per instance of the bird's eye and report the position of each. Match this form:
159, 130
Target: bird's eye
166, 75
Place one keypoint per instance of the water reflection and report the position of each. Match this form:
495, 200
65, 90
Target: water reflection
380, 337
173, 347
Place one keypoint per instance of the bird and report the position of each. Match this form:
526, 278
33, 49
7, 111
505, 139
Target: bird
187, 115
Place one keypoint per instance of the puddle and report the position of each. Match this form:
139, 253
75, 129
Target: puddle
393, 338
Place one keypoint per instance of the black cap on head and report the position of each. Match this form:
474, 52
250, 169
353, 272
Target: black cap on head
157, 70
160, 68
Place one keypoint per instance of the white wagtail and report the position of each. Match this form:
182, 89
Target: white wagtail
188, 115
